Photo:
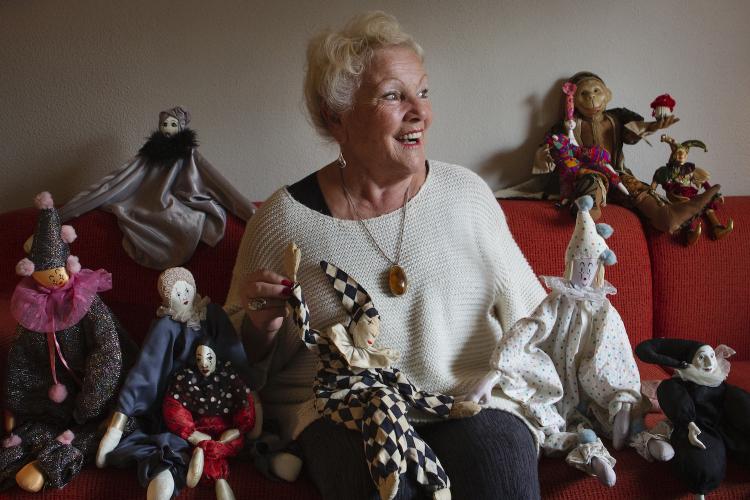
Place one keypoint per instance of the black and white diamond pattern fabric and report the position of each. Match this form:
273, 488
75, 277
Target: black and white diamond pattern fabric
372, 401
354, 298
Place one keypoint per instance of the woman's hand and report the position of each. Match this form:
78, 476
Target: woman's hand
264, 295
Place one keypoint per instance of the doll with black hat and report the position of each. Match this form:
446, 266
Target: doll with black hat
710, 418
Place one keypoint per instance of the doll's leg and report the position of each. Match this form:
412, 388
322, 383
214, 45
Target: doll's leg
30, 438
735, 427
63, 457
424, 466
701, 470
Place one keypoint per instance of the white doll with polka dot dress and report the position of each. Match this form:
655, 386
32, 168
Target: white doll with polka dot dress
569, 364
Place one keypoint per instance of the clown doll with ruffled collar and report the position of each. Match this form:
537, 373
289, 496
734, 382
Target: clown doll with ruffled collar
569, 364
65, 364
709, 419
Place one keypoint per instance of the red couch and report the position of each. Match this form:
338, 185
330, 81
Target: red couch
664, 290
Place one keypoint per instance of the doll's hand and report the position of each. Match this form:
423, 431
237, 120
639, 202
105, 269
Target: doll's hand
197, 436
693, 432
229, 435
109, 442
482, 391
664, 122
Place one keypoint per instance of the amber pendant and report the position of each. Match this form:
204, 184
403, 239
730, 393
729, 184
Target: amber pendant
397, 280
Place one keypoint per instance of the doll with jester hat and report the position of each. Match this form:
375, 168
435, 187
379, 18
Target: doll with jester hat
569, 364
65, 364
167, 199
184, 317
357, 386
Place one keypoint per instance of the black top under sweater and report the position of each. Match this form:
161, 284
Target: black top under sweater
307, 191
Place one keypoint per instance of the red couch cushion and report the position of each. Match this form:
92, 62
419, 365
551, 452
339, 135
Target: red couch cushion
543, 232
701, 292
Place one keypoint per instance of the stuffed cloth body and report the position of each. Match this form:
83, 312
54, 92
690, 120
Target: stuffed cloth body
166, 200
71, 330
210, 405
373, 402
570, 365
168, 348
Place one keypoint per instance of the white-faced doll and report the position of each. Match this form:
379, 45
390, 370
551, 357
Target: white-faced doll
357, 387
162, 456
570, 364
210, 401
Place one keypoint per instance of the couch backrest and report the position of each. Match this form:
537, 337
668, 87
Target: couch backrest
543, 232
702, 292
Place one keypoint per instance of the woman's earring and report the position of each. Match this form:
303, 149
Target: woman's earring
341, 161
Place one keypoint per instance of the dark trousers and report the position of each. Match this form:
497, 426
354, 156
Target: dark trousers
488, 456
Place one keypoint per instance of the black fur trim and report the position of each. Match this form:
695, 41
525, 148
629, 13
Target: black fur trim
162, 149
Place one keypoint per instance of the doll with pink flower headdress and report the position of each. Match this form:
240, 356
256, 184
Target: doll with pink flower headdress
65, 364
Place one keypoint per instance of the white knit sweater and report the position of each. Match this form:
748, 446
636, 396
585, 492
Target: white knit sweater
468, 282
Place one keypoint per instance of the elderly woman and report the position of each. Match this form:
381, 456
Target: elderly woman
426, 239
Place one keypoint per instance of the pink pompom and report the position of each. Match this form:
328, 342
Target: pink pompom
66, 437
25, 267
11, 441
68, 234
43, 200
72, 264
58, 393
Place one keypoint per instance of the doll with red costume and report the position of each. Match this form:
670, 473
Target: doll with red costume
210, 405
65, 364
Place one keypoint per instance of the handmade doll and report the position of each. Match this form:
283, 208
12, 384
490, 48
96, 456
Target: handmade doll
570, 364
357, 387
210, 399
683, 181
595, 125
167, 198
161, 455
710, 418
65, 364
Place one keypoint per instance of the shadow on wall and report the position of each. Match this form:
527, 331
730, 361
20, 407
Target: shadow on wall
513, 166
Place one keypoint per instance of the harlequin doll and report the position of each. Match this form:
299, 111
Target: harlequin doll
167, 198
211, 403
595, 125
683, 181
710, 418
357, 387
183, 318
65, 364
570, 364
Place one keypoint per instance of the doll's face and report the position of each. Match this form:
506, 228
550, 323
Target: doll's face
181, 298
51, 278
680, 156
592, 97
365, 331
584, 271
205, 360
705, 359
169, 126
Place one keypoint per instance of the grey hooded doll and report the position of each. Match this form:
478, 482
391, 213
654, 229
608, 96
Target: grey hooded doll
167, 198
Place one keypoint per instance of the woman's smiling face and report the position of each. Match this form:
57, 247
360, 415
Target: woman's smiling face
390, 115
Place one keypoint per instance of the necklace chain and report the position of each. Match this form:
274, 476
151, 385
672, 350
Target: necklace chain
367, 230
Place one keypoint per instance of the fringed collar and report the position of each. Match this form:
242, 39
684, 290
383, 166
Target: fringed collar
567, 288
359, 357
161, 149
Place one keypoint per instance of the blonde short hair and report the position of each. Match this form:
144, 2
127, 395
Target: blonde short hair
336, 61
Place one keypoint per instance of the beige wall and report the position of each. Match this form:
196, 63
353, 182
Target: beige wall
82, 82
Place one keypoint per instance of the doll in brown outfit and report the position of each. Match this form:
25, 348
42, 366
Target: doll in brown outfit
595, 125
682, 181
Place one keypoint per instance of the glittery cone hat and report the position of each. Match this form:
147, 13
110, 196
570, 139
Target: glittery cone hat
587, 242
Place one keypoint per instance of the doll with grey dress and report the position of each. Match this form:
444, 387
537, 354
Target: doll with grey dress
167, 199
65, 364
569, 364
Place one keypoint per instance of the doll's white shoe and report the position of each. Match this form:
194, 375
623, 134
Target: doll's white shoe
223, 491
621, 427
603, 471
161, 486
30, 478
195, 469
286, 465
659, 450
442, 494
